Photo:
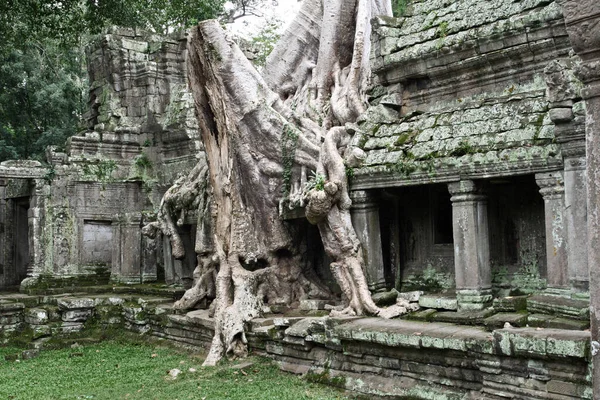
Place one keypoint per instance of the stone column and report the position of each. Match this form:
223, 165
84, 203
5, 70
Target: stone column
127, 240
365, 219
471, 246
3, 243
563, 91
553, 191
36, 219
576, 219
582, 18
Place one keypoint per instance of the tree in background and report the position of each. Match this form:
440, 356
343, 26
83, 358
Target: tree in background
43, 79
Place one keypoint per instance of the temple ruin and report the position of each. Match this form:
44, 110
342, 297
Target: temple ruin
476, 200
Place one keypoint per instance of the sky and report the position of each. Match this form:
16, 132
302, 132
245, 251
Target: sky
284, 10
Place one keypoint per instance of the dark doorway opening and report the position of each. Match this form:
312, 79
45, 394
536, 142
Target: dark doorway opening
21, 238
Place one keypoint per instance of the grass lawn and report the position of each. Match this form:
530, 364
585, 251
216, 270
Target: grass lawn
113, 371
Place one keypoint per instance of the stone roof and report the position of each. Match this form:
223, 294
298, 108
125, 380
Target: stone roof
461, 93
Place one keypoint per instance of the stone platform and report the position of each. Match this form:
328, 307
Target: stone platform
397, 358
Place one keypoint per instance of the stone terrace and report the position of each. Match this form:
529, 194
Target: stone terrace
375, 356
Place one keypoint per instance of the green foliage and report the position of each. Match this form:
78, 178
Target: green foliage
289, 142
142, 162
41, 97
442, 30
50, 175
399, 7
349, 174
133, 371
69, 20
100, 170
43, 88
462, 149
316, 182
263, 42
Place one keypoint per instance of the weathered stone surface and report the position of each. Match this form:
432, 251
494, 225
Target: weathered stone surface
510, 303
36, 316
75, 303
312, 304
383, 299
560, 306
410, 296
76, 315
501, 319
438, 301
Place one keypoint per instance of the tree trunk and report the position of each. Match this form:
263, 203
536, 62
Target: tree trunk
261, 137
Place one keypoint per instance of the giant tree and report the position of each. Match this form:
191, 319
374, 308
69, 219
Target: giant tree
263, 134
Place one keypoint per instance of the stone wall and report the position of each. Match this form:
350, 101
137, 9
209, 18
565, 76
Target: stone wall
462, 93
373, 356
141, 136
483, 100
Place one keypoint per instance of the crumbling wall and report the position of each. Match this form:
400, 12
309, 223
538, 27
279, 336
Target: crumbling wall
141, 135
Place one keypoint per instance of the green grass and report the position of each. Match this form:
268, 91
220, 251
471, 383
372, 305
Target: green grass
139, 371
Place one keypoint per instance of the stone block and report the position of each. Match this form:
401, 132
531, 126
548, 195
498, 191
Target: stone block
410, 296
383, 299
438, 301
29, 354
40, 331
76, 315
423, 315
11, 307
560, 306
75, 303
500, 320
510, 303
463, 317
310, 304
36, 316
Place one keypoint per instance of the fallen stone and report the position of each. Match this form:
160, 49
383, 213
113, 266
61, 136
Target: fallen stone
423, 315
392, 311
510, 304
383, 299
499, 321
560, 306
310, 304
410, 296
173, 373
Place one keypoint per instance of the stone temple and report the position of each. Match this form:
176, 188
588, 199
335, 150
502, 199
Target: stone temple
479, 189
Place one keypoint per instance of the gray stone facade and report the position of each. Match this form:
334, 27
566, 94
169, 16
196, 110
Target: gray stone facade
485, 97
78, 221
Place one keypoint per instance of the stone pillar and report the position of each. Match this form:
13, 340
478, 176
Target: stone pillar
576, 219
3, 243
127, 249
582, 18
365, 219
562, 93
471, 246
36, 219
553, 191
